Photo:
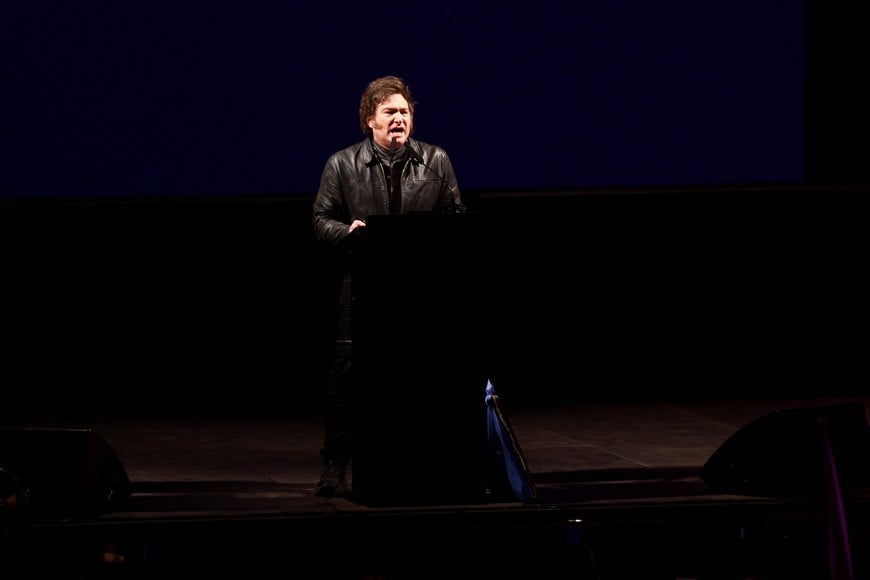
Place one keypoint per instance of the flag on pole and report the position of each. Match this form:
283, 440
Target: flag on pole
509, 455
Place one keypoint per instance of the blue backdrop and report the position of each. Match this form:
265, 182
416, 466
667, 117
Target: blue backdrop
163, 99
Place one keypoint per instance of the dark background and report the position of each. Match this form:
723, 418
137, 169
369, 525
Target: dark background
220, 98
676, 195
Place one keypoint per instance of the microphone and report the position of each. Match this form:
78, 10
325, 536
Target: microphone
452, 205
392, 150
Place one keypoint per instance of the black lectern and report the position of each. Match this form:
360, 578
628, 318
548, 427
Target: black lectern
419, 333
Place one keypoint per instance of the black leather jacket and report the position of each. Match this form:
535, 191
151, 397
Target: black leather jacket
353, 186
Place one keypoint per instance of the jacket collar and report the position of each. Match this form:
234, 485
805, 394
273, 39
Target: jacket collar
369, 145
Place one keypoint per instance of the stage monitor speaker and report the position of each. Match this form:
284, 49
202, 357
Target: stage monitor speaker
783, 453
63, 472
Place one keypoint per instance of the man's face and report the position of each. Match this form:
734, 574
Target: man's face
392, 119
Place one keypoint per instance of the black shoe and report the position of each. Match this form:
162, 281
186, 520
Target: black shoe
332, 480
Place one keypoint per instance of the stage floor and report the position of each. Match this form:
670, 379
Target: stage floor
618, 485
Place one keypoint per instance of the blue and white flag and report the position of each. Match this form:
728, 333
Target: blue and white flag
509, 455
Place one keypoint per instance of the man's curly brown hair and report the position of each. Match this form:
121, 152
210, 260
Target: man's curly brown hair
378, 91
